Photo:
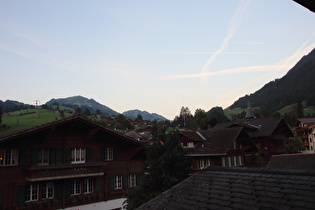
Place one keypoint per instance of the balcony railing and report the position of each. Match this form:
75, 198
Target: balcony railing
55, 172
306, 143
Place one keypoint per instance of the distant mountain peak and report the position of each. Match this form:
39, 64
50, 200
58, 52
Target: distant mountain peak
133, 114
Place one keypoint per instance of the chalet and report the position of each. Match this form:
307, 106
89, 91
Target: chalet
292, 161
267, 133
305, 128
217, 147
240, 188
67, 163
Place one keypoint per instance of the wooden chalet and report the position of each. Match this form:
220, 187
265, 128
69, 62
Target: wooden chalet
267, 133
217, 147
305, 128
66, 163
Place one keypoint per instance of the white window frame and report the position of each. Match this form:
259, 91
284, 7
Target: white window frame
43, 157
31, 193
75, 187
132, 180
223, 162
190, 144
78, 155
109, 153
48, 190
88, 185
9, 157
117, 182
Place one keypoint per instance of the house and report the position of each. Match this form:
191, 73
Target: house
66, 163
217, 147
240, 188
305, 128
267, 133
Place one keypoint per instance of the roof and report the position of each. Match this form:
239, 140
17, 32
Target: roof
305, 120
309, 4
292, 161
75, 118
218, 141
191, 135
240, 188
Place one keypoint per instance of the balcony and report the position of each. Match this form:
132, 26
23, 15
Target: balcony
55, 172
306, 143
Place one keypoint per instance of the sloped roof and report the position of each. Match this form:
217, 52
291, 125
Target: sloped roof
191, 135
292, 161
218, 141
240, 188
305, 121
75, 118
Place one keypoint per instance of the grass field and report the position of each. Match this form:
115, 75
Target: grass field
27, 118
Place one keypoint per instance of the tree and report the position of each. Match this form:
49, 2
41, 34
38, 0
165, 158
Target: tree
299, 110
167, 166
1, 113
216, 115
294, 145
98, 112
86, 112
139, 118
78, 110
185, 119
201, 119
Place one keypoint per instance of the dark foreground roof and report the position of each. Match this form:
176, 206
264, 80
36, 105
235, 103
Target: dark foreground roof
292, 161
240, 188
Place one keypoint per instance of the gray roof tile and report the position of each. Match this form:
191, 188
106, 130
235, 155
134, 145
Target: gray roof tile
240, 188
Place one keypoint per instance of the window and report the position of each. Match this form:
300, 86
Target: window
8, 157
108, 153
43, 157
88, 186
223, 161
132, 180
190, 144
78, 155
31, 192
117, 182
48, 190
240, 160
75, 188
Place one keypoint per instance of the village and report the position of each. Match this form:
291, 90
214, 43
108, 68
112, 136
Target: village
75, 162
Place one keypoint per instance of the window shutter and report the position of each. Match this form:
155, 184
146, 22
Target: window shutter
98, 185
20, 199
111, 183
34, 157
22, 157
102, 154
0, 196
68, 155
139, 179
126, 181
88, 155
115, 153
58, 156
67, 188
58, 189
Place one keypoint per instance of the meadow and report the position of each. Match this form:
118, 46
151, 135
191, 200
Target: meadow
27, 118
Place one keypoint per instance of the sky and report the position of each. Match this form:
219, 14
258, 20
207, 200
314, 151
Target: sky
155, 56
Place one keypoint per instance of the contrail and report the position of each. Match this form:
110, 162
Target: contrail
231, 30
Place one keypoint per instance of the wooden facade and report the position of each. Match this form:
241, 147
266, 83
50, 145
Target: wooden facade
67, 163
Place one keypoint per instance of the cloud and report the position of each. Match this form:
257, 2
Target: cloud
230, 53
280, 67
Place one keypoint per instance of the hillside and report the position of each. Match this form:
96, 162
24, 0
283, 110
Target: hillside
296, 85
83, 103
133, 114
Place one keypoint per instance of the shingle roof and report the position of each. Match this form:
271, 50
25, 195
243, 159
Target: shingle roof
191, 135
292, 161
75, 118
240, 188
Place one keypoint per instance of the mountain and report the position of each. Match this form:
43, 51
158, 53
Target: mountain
297, 85
133, 114
83, 103
12, 106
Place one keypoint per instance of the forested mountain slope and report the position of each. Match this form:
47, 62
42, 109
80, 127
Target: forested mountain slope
296, 85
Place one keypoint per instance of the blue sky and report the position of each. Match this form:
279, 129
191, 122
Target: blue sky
155, 56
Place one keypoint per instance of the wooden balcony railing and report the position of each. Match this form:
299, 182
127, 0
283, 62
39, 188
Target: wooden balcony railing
306, 143
55, 172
